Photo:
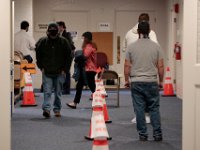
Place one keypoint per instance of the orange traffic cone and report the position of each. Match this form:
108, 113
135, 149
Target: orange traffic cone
90, 134
168, 87
105, 112
100, 86
100, 144
28, 95
88, 137
95, 110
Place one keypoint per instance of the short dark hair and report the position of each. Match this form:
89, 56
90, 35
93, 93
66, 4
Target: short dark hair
61, 23
53, 25
24, 25
144, 17
144, 28
87, 35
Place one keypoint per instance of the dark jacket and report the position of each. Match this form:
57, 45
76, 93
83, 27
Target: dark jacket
79, 67
53, 55
68, 36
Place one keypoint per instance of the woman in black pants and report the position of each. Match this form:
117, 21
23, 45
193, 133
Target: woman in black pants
89, 52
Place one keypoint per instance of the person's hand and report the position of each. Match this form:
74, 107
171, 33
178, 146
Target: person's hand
160, 85
127, 84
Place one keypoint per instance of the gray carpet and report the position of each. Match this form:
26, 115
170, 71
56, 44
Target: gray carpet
30, 131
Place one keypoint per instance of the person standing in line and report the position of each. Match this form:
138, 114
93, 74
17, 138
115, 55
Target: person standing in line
23, 42
131, 37
143, 65
89, 52
67, 35
53, 55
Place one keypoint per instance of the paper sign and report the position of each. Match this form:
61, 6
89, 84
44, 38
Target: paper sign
104, 26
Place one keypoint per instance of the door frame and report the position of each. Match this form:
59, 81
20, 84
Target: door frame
191, 80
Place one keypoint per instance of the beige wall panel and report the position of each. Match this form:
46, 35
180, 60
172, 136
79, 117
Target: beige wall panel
5, 48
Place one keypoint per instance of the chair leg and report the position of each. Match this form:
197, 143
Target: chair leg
118, 84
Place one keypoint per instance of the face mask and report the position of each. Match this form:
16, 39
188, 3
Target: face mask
53, 33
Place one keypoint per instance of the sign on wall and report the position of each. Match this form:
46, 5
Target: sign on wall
41, 27
104, 26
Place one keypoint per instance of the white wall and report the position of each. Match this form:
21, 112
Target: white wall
5, 48
23, 11
175, 33
102, 11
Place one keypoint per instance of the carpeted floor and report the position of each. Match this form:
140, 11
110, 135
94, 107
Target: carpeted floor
30, 131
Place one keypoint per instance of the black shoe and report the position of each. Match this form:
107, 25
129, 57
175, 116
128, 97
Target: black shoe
158, 138
143, 138
71, 105
46, 114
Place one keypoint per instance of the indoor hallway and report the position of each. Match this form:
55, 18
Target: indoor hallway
30, 131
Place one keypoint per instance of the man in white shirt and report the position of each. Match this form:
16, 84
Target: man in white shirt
23, 42
132, 36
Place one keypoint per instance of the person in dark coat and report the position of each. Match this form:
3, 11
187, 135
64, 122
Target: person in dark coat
67, 35
53, 59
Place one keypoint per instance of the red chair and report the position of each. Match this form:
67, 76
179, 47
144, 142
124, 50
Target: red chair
102, 60
106, 74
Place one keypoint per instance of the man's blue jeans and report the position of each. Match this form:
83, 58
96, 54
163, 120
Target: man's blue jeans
52, 82
146, 94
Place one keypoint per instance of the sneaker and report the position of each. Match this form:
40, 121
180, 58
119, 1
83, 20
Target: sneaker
57, 114
46, 114
134, 120
158, 138
143, 138
147, 118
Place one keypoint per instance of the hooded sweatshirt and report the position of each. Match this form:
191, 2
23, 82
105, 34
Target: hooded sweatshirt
132, 36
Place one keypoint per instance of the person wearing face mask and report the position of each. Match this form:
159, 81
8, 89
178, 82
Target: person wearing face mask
53, 59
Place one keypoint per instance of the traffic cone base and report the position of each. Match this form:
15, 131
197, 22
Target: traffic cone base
88, 138
168, 90
168, 87
105, 112
28, 96
108, 121
89, 135
100, 144
28, 99
91, 139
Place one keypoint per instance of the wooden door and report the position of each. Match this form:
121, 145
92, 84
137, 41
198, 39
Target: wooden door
104, 41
